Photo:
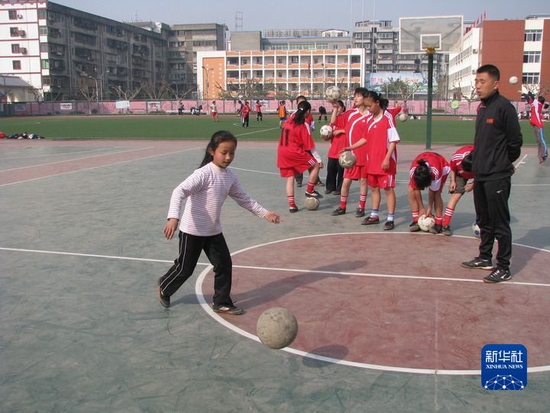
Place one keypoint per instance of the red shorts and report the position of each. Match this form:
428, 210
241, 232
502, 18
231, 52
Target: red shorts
292, 162
385, 181
355, 173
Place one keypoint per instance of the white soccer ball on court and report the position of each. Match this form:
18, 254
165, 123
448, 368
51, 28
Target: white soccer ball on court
402, 117
333, 93
326, 132
425, 223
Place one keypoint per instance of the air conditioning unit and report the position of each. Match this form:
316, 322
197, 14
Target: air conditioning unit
23, 50
474, 72
22, 33
19, 16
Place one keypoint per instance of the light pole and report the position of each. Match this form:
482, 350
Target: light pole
207, 71
96, 91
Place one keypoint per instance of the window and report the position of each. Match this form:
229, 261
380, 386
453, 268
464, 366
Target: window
533, 35
259, 60
15, 48
531, 57
294, 73
531, 78
45, 64
42, 13
16, 64
14, 31
294, 59
12, 14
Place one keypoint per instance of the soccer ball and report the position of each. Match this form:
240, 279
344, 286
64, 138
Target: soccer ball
402, 117
425, 223
347, 159
312, 203
333, 93
326, 132
513, 80
475, 230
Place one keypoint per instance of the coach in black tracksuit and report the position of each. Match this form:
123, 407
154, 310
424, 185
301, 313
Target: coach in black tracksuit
497, 144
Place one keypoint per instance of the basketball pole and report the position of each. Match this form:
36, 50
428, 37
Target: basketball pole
431, 52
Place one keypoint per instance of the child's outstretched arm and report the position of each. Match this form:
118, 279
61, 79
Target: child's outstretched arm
171, 227
273, 217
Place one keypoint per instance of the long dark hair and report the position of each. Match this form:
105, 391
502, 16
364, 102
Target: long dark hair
422, 177
299, 117
217, 138
377, 97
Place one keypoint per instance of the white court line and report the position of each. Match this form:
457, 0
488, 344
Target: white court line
100, 166
281, 269
232, 327
219, 319
60, 153
254, 132
76, 159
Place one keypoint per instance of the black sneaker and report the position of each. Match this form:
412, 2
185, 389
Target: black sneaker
413, 227
338, 211
164, 300
293, 209
359, 213
328, 191
446, 230
227, 309
498, 275
314, 194
436, 229
371, 221
479, 263
336, 193
389, 225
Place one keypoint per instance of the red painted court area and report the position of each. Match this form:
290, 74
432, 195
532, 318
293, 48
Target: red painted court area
397, 300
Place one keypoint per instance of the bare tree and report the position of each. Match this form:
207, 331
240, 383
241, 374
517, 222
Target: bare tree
129, 94
89, 92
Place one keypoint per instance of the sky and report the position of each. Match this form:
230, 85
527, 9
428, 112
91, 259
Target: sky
302, 14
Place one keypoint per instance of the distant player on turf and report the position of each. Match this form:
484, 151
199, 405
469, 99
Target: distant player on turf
538, 126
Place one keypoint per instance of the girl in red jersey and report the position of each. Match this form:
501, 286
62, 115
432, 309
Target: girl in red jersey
355, 122
429, 169
381, 167
296, 153
335, 172
460, 182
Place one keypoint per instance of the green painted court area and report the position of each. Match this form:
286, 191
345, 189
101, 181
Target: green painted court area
445, 130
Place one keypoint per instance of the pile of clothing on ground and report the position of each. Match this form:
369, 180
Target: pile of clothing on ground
23, 135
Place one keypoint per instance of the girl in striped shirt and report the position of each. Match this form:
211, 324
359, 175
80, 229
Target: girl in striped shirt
205, 191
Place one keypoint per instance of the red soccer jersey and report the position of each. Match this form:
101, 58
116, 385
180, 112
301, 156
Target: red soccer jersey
295, 139
355, 124
245, 110
380, 133
337, 142
394, 112
456, 162
439, 169
536, 113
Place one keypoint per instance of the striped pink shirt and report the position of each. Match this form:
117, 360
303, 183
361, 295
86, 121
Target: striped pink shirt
205, 191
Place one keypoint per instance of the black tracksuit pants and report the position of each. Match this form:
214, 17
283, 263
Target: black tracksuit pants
493, 218
190, 248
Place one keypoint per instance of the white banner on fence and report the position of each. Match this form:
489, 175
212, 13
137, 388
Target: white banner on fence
122, 104
65, 106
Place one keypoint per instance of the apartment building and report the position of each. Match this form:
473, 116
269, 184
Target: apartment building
65, 53
518, 48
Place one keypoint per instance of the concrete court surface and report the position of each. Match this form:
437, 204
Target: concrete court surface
81, 247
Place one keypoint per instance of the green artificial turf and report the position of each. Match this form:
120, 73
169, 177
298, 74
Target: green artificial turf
444, 130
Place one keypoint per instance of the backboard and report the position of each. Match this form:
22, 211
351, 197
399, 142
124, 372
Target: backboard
440, 34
